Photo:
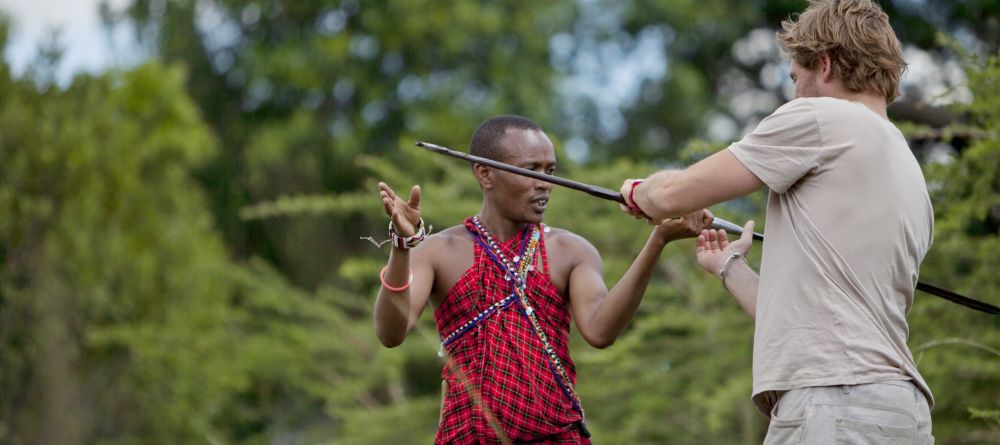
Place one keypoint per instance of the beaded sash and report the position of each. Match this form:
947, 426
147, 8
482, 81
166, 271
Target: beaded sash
523, 267
516, 273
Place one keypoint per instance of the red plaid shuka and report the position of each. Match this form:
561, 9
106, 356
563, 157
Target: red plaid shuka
502, 361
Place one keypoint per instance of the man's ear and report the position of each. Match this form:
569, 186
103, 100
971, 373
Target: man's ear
826, 67
484, 175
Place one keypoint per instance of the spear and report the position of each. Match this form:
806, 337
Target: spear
600, 192
717, 223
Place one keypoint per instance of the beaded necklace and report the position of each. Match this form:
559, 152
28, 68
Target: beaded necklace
527, 253
516, 272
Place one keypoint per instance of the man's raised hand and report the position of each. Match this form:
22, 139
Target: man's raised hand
405, 215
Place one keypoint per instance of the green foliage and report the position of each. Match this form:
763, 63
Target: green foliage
957, 348
991, 415
108, 249
118, 296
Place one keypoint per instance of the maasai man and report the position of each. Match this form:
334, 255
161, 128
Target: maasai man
504, 286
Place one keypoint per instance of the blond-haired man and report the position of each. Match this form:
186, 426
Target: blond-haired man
849, 221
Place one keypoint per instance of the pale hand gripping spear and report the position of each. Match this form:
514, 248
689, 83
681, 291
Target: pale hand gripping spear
717, 223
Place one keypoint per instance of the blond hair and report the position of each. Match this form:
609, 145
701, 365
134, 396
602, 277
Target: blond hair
863, 49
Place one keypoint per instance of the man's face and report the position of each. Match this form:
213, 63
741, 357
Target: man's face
520, 198
806, 81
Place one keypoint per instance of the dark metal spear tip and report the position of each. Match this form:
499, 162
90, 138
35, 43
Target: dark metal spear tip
430, 146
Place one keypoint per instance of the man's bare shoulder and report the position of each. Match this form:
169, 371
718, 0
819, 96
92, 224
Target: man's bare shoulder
447, 238
566, 240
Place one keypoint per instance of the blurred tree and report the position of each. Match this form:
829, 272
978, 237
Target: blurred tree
972, 21
710, 69
122, 318
106, 251
689, 43
296, 91
958, 349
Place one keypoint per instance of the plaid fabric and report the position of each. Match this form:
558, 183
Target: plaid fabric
501, 361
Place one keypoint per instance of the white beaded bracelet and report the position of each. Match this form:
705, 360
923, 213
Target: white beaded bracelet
407, 242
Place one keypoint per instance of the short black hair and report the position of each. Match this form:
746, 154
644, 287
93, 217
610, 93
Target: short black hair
486, 139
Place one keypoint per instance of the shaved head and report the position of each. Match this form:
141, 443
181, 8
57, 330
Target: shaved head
486, 140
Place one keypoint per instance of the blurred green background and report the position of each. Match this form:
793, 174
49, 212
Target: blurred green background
181, 258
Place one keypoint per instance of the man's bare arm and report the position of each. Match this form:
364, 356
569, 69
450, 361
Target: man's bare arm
406, 284
397, 312
671, 193
601, 315
741, 282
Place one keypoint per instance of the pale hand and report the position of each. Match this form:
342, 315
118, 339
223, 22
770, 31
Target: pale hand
626, 191
405, 215
687, 226
713, 247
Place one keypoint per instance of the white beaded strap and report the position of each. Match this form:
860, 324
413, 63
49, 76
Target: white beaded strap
407, 242
725, 265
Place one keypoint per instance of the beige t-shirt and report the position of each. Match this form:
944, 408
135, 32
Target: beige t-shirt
849, 221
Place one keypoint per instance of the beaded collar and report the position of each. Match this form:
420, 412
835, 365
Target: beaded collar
522, 263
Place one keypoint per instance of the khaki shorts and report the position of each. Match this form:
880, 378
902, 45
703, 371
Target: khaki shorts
884, 413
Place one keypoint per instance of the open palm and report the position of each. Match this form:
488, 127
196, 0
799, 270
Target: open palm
713, 247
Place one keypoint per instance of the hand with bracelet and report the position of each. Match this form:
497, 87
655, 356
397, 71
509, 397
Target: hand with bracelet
716, 254
728, 261
405, 215
630, 206
406, 228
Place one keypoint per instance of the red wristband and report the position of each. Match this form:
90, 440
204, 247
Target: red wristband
631, 199
381, 277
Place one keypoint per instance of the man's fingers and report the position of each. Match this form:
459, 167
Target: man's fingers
387, 204
414, 197
387, 190
748, 231
702, 244
711, 239
633, 212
